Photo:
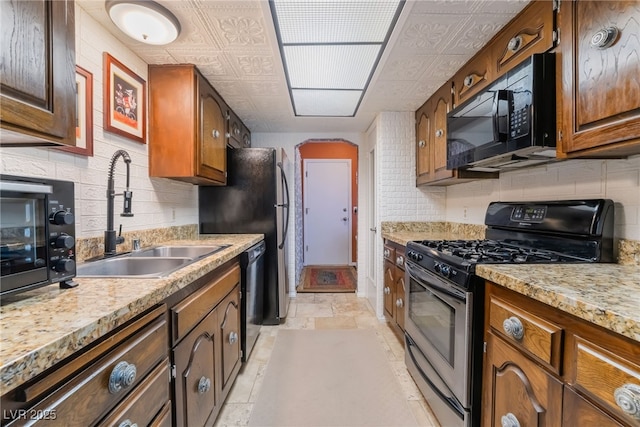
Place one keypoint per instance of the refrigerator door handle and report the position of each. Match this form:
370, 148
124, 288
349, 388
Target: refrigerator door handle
284, 205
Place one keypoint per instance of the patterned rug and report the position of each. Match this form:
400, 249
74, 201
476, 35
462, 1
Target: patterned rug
327, 278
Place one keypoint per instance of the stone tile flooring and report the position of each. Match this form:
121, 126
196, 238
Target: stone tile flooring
320, 311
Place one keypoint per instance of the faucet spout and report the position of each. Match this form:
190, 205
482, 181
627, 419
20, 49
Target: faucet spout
110, 239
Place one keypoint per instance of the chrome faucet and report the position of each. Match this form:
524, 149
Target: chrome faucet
110, 239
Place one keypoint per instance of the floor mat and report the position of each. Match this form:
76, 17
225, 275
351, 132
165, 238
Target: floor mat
326, 278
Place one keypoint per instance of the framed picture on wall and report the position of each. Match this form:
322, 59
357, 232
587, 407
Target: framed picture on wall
84, 114
124, 100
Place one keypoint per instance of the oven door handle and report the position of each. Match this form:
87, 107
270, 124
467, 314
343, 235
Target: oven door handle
433, 281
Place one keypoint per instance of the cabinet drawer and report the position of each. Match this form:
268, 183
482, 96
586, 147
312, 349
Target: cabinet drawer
195, 307
538, 337
142, 405
163, 419
577, 412
614, 382
389, 253
88, 396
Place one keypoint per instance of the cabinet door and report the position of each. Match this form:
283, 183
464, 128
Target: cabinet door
400, 297
246, 137
600, 84
530, 32
389, 288
423, 145
441, 105
235, 130
473, 76
577, 412
229, 319
196, 359
212, 154
38, 72
516, 390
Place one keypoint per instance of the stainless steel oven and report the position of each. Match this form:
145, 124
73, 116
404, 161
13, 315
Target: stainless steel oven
438, 325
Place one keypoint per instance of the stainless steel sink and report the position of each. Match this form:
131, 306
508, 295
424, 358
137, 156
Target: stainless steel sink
142, 267
179, 251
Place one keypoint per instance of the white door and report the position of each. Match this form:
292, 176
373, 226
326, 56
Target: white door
327, 211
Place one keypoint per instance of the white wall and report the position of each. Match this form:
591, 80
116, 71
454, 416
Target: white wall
156, 202
618, 180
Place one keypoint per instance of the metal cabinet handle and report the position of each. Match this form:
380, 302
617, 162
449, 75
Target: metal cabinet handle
127, 423
421, 143
215, 133
387, 291
204, 385
628, 399
122, 376
399, 303
386, 252
509, 420
233, 338
439, 133
604, 38
400, 260
515, 44
513, 327
468, 81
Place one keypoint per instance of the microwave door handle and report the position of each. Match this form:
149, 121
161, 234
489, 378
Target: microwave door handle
501, 108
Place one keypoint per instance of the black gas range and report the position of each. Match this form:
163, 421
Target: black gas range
445, 299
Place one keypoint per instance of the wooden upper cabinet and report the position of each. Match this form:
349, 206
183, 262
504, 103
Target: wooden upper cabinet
423, 146
600, 86
38, 99
472, 77
441, 105
532, 31
187, 126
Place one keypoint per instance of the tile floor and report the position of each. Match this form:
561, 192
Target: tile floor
320, 311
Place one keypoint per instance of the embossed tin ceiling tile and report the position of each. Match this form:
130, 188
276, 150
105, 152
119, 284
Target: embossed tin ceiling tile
330, 66
334, 21
337, 103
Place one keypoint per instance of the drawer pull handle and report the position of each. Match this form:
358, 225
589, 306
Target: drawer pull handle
468, 81
421, 143
204, 385
515, 44
233, 338
604, 38
387, 291
122, 376
386, 252
628, 399
127, 423
399, 303
509, 420
513, 327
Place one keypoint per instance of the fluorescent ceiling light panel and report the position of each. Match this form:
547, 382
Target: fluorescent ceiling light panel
331, 103
330, 66
332, 21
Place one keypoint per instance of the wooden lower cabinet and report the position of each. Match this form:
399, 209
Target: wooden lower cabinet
518, 391
206, 347
553, 368
394, 286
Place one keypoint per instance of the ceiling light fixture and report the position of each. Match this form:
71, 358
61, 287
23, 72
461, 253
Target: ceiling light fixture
330, 50
144, 20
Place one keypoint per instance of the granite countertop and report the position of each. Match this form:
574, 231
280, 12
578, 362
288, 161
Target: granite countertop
606, 295
40, 328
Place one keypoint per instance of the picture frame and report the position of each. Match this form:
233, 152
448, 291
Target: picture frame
84, 114
125, 100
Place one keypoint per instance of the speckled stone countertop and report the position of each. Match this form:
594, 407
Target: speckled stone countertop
40, 328
607, 295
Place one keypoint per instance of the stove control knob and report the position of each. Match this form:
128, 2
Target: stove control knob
419, 257
446, 271
437, 267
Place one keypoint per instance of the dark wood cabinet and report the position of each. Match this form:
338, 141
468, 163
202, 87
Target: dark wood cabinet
394, 286
600, 79
549, 368
229, 321
38, 99
239, 135
184, 107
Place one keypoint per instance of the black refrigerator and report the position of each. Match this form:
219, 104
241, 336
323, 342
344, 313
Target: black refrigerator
255, 200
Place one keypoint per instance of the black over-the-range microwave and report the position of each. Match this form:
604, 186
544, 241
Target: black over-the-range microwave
37, 233
509, 124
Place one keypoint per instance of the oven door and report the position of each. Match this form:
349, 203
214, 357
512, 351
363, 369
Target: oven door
438, 321
23, 235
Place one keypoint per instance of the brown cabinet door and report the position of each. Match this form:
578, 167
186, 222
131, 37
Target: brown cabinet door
196, 360
389, 288
212, 155
400, 298
530, 32
600, 82
235, 130
577, 412
423, 145
516, 390
229, 318
246, 137
473, 76
38, 100
441, 105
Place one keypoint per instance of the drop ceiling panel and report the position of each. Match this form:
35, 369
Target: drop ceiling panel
325, 102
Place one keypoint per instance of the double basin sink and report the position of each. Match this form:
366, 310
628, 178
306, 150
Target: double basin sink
155, 262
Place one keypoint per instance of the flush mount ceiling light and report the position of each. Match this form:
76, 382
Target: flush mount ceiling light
144, 20
330, 50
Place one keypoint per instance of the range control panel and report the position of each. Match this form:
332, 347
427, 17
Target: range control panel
526, 213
